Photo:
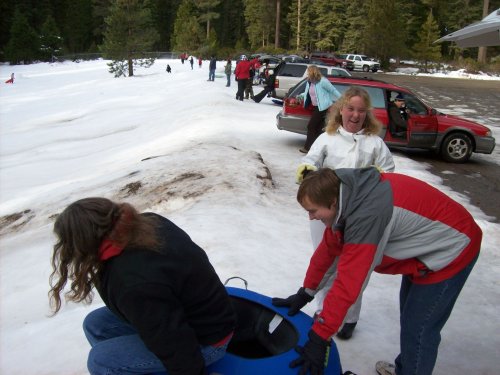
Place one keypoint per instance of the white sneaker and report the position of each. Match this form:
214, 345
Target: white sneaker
385, 368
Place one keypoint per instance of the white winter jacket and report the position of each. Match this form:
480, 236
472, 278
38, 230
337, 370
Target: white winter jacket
349, 150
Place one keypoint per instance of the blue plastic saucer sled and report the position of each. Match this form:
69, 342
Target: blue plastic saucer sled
265, 339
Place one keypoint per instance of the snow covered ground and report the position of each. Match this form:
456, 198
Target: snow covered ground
185, 148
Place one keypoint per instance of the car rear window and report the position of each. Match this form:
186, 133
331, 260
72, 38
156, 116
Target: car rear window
338, 73
293, 70
376, 94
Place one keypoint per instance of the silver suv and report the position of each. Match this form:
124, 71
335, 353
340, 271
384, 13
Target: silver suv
363, 62
292, 73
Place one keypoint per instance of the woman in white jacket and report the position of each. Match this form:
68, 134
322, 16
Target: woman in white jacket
350, 141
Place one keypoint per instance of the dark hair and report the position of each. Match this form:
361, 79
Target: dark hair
321, 187
80, 230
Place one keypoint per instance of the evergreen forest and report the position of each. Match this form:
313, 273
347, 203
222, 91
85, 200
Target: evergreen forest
50, 30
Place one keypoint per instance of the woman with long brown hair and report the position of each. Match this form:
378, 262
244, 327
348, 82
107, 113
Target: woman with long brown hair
166, 308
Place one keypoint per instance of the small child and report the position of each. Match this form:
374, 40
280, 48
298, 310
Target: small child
169, 70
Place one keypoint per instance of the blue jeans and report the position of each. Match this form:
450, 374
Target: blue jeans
118, 349
424, 311
228, 80
211, 75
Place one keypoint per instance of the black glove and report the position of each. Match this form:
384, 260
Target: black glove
295, 301
313, 356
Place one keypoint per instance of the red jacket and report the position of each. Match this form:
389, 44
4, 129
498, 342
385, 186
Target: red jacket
392, 224
242, 70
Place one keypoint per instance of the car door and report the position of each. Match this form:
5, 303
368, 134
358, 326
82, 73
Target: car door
422, 123
358, 63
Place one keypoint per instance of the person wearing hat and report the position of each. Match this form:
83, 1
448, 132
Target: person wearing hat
398, 118
242, 73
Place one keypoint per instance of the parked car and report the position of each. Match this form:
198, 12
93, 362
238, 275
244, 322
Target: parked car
267, 63
290, 74
363, 63
332, 59
294, 58
455, 138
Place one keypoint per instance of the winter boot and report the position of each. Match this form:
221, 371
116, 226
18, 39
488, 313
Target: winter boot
346, 332
385, 368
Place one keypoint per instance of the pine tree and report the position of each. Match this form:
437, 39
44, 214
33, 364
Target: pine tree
330, 23
129, 35
462, 13
303, 41
100, 10
207, 14
51, 41
385, 31
354, 41
188, 34
163, 12
23, 45
259, 20
425, 50
231, 25
78, 33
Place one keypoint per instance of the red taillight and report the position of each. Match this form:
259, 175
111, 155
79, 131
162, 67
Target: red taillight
290, 105
276, 83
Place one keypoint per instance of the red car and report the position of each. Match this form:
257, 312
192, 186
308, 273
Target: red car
455, 138
332, 59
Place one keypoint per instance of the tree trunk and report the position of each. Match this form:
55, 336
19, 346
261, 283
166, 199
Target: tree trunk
130, 67
298, 25
277, 33
481, 53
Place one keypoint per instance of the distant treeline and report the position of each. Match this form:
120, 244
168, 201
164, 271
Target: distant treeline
33, 30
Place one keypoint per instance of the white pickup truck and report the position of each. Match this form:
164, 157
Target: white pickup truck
363, 62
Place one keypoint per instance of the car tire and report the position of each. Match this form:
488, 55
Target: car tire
456, 148
374, 70
366, 68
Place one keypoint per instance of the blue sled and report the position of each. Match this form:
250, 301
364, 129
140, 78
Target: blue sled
265, 338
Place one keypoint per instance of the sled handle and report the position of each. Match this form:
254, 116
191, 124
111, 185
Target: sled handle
237, 277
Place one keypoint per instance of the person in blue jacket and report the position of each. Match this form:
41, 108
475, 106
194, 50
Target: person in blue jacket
321, 94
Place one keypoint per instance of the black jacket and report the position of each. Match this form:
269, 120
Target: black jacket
397, 118
173, 297
213, 63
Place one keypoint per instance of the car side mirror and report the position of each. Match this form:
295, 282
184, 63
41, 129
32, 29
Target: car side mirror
433, 112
